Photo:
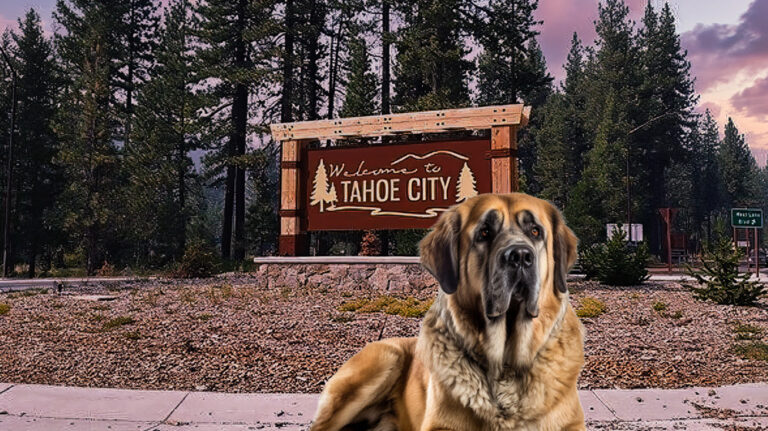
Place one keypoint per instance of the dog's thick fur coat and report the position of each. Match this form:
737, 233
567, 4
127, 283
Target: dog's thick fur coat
471, 368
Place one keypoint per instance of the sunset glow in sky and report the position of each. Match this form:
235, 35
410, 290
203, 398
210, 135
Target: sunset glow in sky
727, 44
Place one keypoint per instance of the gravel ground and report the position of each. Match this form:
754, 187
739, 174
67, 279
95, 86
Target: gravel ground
234, 335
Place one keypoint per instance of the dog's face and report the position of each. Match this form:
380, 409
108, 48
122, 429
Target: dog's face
499, 255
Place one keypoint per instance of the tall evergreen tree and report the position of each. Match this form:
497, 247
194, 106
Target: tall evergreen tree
168, 128
667, 100
137, 38
86, 126
235, 45
611, 83
562, 140
362, 88
37, 178
511, 68
738, 170
431, 71
310, 95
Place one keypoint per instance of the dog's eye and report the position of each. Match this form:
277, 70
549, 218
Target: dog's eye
484, 234
535, 232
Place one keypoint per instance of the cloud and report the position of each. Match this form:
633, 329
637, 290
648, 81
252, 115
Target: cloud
753, 100
719, 51
562, 18
714, 109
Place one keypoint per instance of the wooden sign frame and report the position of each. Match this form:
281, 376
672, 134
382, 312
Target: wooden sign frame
503, 122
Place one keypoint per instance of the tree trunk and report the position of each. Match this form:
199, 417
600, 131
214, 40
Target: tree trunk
229, 198
239, 123
385, 77
181, 176
286, 102
239, 117
312, 67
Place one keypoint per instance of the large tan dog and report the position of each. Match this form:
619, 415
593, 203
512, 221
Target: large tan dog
500, 349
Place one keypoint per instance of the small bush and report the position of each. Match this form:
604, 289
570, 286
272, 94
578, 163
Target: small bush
408, 307
745, 331
106, 270
199, 261
204, 317
616, 262
591, 307
659, 306
4, 308
756, 351
132, 335
118, 322
719, 279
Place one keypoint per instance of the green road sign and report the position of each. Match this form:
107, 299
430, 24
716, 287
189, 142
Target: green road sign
747, 217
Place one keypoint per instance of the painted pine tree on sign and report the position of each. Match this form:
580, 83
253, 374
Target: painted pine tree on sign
320, 194
465, 185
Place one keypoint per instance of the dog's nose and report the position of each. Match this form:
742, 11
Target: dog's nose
518, 256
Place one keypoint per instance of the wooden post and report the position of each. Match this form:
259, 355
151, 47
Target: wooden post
504, 159
293, 241
757, 254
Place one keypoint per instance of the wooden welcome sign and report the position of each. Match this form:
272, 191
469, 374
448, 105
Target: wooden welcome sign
393, 186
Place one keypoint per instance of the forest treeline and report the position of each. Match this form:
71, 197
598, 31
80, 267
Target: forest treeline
142, 126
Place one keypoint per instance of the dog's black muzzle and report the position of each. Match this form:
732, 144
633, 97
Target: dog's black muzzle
514, 277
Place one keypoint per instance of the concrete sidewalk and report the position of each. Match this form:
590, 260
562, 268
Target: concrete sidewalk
45, 408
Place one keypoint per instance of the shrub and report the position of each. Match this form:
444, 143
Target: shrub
745, 331
756, 351
118, 322
616, 262
719, 279
591, 307
4, 308
659, 306
199, 261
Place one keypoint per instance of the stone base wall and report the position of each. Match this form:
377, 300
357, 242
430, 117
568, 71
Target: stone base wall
395, 278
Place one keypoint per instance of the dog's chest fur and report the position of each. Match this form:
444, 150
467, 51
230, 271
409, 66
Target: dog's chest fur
503, 400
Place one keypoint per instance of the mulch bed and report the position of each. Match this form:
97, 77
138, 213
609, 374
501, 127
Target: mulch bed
233, 335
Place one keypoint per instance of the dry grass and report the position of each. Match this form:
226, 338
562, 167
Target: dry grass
408, 307
591, 307
4, 308
756, 351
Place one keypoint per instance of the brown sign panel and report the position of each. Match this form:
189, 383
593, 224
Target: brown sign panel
393, 186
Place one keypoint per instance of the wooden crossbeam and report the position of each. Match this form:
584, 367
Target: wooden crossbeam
445, 120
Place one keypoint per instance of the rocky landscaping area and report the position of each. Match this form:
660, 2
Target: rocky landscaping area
287, 329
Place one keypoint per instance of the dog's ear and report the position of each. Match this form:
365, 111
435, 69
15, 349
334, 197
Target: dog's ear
439, 251
564, 243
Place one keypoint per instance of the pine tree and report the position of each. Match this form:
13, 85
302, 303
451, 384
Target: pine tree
235, 46
86, 127
561, 139
668, 95
361, 89
511, 68
37, 178
611, 84
137, 40
168, 127
738, 169
430, 70
309, 95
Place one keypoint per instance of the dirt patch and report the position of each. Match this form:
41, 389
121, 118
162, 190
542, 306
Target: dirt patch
242, 334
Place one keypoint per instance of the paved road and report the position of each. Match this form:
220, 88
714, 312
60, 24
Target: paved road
44, 408
14, 284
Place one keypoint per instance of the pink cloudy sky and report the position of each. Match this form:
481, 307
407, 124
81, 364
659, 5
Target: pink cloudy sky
727, 44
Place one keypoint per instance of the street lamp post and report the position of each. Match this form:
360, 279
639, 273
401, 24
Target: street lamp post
9, 175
